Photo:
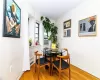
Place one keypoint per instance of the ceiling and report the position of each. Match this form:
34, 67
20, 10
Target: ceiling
53, 8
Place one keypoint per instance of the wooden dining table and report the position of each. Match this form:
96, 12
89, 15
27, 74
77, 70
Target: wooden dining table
52, 54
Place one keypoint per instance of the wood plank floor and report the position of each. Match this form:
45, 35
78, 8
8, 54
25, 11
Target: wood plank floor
76, 74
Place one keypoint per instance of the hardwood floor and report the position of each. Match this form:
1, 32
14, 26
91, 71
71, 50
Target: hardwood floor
76, 74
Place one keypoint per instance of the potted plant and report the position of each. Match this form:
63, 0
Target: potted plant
53, 36
30, 42
50, 27
47, 24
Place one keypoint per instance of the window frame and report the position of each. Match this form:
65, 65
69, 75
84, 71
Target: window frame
38, 30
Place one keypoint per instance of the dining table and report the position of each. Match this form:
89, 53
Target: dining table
52, 55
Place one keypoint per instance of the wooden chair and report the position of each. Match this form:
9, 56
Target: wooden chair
40, 62
65, 49
61, 65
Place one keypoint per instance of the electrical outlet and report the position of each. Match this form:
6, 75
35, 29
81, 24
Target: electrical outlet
10, 68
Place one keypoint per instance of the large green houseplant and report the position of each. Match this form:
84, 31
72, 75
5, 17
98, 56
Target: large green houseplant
50, 27
47, 24
53, 36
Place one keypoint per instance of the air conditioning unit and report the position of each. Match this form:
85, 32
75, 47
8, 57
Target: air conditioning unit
46, 41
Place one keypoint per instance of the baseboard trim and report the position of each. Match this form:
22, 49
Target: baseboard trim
85, 71
19, 76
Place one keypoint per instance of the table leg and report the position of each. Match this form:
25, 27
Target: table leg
50, 65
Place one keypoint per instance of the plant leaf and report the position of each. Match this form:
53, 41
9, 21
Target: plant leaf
42, 18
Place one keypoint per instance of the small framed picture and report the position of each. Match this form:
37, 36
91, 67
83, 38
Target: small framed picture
88, 26
67, 24
67, 33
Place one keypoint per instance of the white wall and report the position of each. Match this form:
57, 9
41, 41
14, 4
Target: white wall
85, 52
12, 49
26, 62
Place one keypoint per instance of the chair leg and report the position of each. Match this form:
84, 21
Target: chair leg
35, 68
59, 76
38, 72
69, 74
49, 69
52, 69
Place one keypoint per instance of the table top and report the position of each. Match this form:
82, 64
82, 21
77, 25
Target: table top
52, 51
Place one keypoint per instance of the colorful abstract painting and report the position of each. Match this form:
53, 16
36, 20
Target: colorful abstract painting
12, 19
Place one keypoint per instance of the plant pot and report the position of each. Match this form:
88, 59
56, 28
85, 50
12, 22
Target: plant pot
30, 44
53, 46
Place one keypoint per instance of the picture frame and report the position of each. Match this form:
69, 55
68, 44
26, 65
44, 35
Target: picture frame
88, 26
12, 19
67, 24
67, 33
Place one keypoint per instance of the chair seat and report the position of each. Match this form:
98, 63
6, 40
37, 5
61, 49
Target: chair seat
64, 64
42, 61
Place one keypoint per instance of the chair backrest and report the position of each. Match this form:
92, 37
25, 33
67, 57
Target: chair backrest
37, 54
64, 51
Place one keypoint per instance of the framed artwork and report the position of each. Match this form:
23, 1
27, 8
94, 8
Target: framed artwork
67, 33
67, 24
87, 26
12, 19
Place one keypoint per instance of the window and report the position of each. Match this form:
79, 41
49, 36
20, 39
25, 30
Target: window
36, 32
45, 38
